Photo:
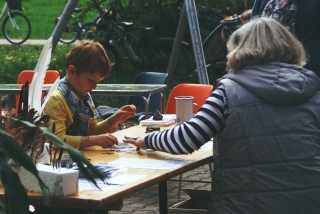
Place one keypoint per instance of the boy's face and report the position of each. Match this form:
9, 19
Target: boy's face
84, 82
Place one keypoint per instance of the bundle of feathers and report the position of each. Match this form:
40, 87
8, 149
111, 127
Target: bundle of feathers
30, 109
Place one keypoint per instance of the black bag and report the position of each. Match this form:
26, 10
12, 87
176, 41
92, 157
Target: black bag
284, 11
14, 4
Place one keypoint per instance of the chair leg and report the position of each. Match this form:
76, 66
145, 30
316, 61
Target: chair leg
179, 187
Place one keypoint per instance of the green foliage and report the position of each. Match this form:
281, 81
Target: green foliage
16, 200
25, 57
14, 191
76, 156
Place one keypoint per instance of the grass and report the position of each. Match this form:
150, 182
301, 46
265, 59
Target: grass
42, 13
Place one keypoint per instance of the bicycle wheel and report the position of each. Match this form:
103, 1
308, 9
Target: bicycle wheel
162, 49
215, 53
217, 69
70, 33
97, 32
16, 29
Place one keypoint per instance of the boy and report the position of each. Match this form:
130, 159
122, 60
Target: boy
71, 107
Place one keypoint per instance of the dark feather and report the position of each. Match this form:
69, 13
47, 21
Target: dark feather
11, 102
23, 101
59, 158
51, 143
39, 138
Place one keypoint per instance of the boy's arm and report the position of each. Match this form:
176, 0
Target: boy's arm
61, 115
102, 127
109, 125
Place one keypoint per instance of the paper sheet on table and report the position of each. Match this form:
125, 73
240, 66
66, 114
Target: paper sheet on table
112, 182
86, 185
207, 145
148, 164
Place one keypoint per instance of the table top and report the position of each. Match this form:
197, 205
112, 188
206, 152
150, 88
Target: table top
102, 199
102, 89
128, 89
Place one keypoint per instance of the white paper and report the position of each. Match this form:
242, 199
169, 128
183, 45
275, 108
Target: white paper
148, 164
207, 145
86, 185
113, 182
124, 179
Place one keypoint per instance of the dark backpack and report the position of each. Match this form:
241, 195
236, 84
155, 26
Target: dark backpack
284, 11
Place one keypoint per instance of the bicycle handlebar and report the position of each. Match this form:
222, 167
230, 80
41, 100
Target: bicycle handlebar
98, 7
230, 22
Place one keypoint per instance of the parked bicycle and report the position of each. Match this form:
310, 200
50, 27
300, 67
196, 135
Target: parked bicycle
16, 27
119, 38
215, 50
73, 28
143, 55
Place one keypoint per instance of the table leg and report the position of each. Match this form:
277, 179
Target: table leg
162, 102
163, 206
146, 103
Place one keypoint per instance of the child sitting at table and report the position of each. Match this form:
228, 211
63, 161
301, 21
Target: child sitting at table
71, 107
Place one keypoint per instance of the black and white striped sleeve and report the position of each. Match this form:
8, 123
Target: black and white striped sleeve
191, 135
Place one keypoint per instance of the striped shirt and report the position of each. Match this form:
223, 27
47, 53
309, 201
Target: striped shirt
191, 135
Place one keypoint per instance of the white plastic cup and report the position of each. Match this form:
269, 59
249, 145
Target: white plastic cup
184, 108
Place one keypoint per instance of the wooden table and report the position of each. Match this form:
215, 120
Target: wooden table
112, 199
141, 90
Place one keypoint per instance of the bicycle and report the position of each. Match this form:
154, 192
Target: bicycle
215, 50
71, 32
153, 56
16, 27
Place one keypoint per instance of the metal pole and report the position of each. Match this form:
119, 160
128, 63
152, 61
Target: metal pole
63, 21
196, 41
177, 44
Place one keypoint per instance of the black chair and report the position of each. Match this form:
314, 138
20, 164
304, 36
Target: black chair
154, 102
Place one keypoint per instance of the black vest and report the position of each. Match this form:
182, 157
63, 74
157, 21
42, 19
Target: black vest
266, 160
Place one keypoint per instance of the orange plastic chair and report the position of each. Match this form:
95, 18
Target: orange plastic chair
200, 93
27, 75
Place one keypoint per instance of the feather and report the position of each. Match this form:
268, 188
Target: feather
23, 102
39, 138
9, 124
53, 87
39, 75
11, 102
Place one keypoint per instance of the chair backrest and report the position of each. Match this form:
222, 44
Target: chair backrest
148, 78
27, 75
200, 93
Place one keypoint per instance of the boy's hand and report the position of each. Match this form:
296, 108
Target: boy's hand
104, 140
129, 108
121, 115
125, 112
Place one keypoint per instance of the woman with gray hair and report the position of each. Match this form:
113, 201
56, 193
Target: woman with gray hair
264, 118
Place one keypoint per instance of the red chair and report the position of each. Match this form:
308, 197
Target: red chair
199, 92
27, 75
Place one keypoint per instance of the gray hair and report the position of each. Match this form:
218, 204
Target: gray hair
263, 40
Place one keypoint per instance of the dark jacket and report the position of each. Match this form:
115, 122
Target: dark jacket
307, 28
266, 160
